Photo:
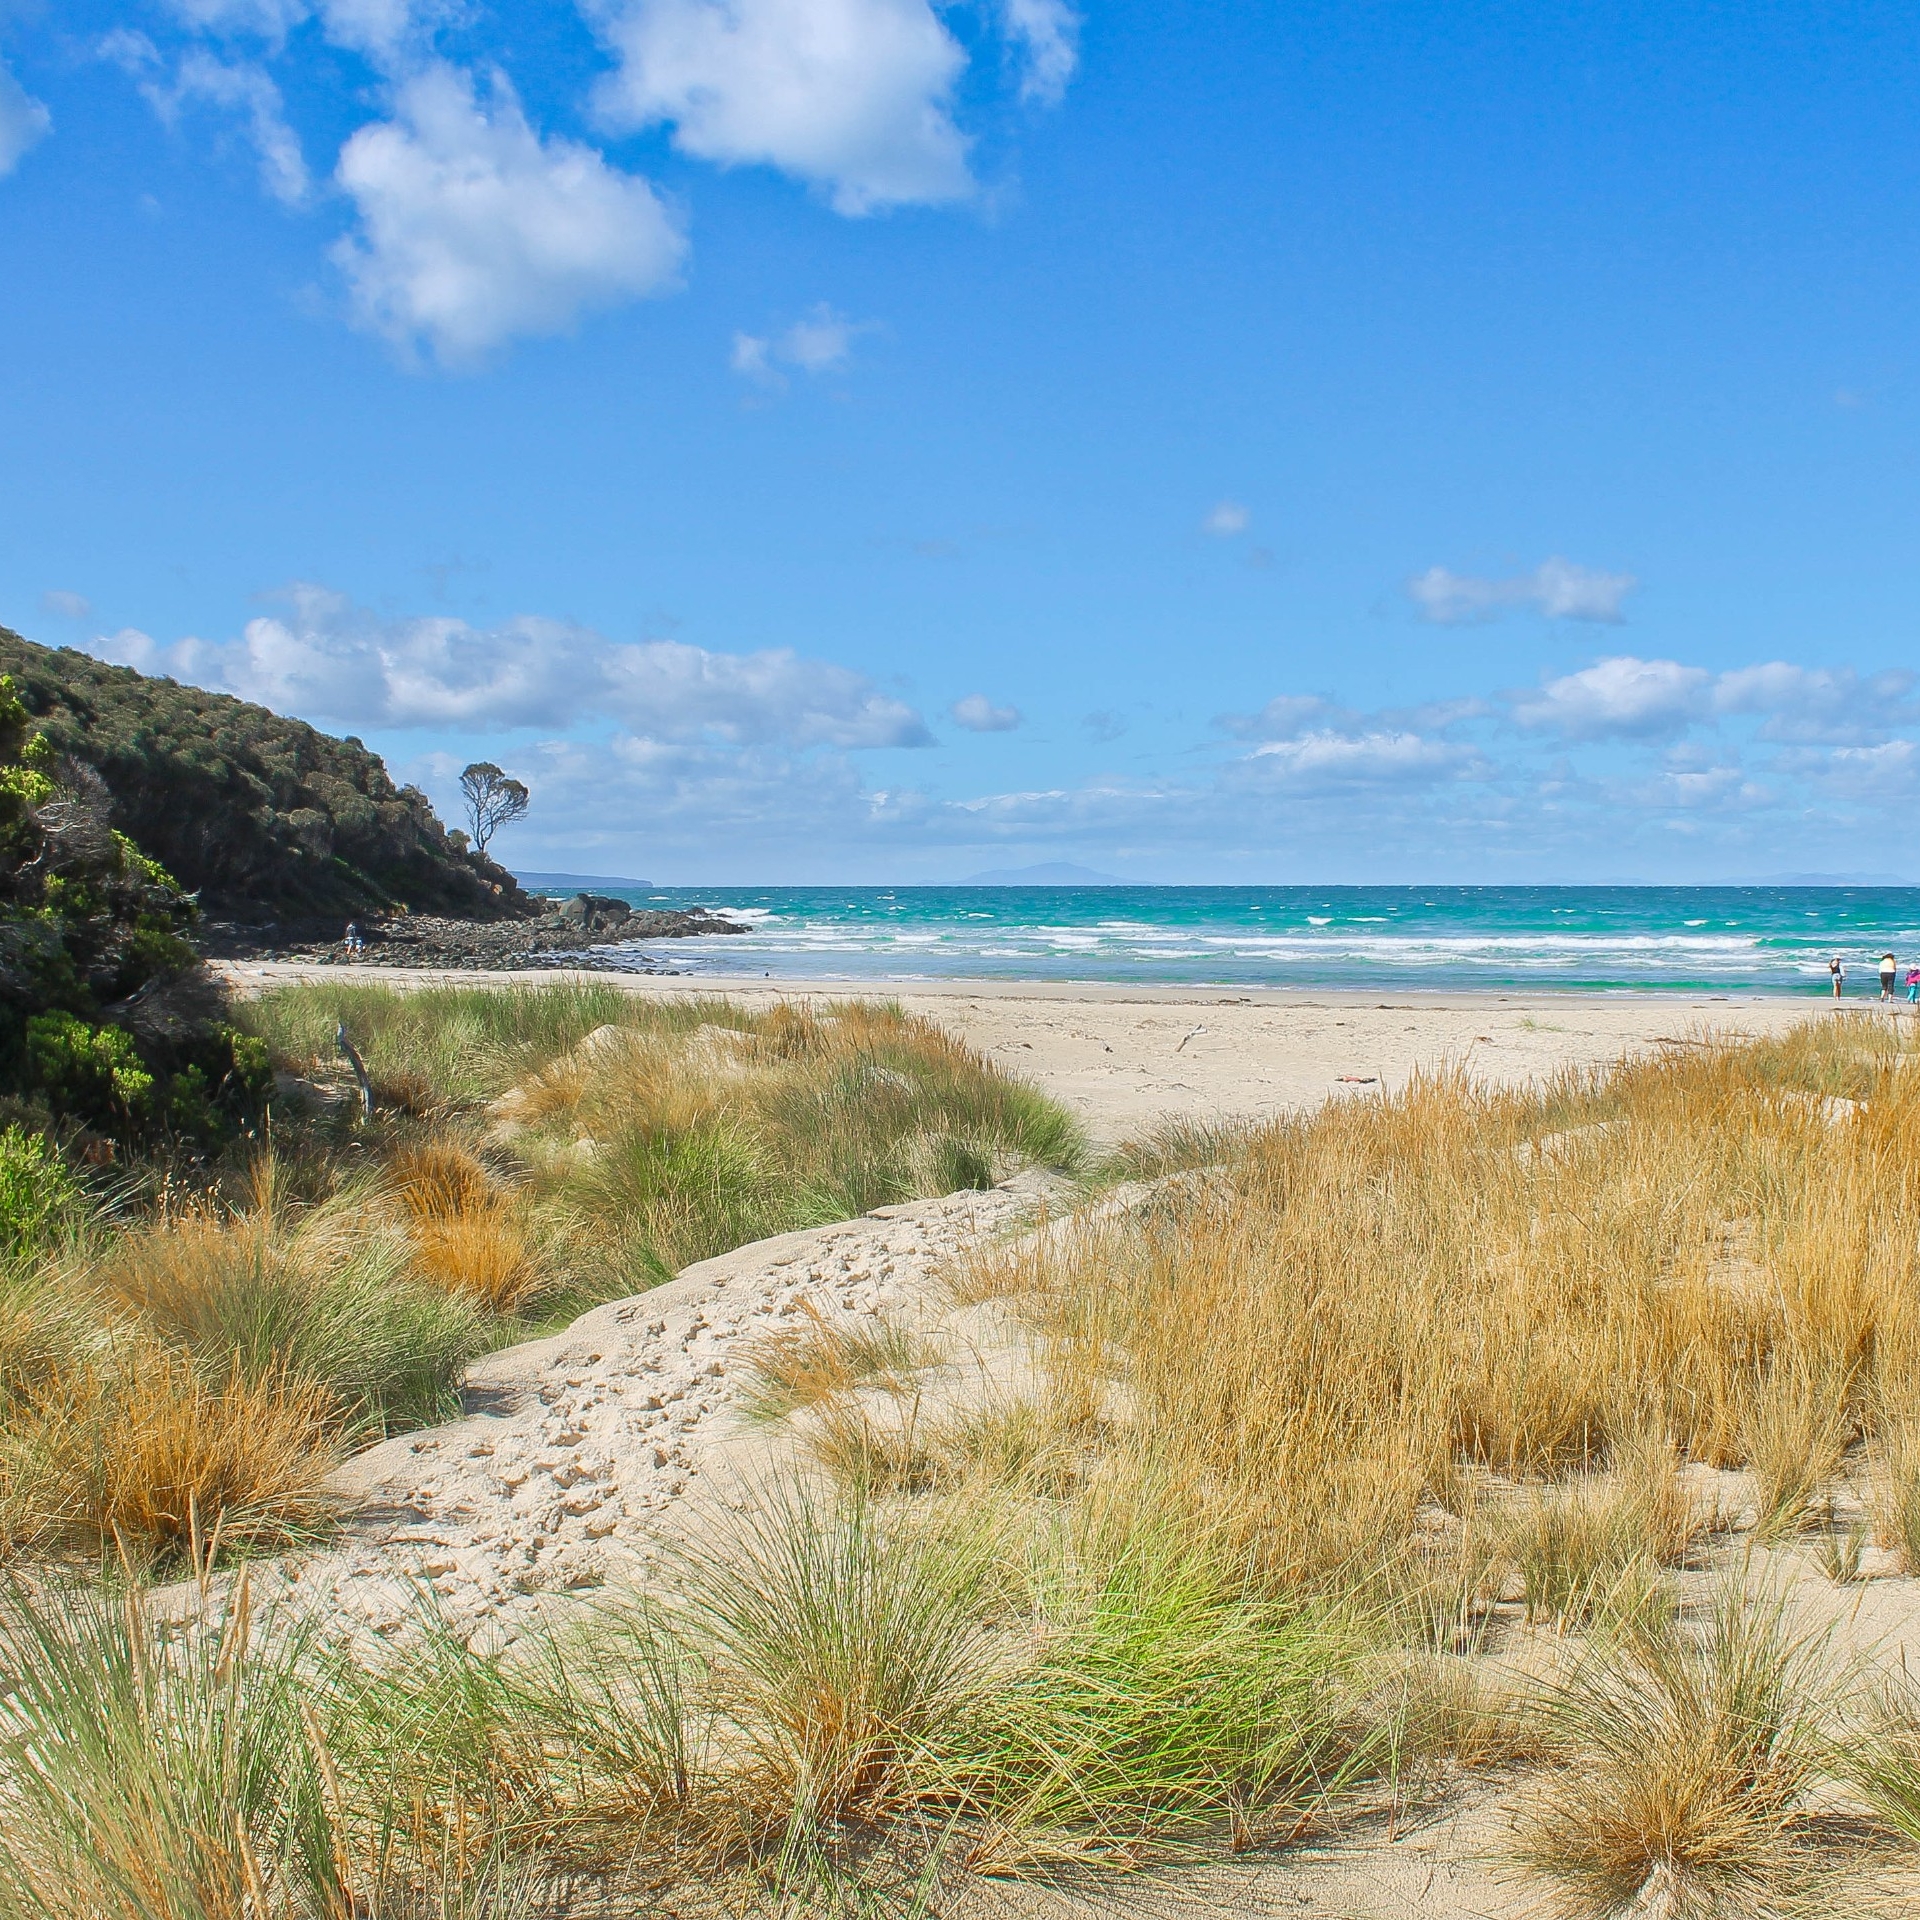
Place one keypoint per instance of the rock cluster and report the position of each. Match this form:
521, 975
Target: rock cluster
559, 937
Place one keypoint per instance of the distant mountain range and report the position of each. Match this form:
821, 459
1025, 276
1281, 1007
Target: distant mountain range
1826, 880
1053, 873
576, 882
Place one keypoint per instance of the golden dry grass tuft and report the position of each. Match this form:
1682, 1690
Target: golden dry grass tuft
802, 1366
136, 1455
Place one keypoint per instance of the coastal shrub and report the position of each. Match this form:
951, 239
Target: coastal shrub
92, 1071
257, 813
41, 1203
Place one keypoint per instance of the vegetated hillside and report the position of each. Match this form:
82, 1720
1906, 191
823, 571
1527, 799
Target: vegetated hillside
256, 813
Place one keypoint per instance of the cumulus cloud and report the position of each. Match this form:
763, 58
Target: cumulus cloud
853, 96
1689, 783
1888, 771
1324, 758
1556, 588
1045, 37
978, 714
24, 121
324, 658
69, 606
820, 341
1833, 705
474, 229
1619, 697
1226, 519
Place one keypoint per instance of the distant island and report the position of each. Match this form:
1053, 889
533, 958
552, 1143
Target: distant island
577, 882
1053, 873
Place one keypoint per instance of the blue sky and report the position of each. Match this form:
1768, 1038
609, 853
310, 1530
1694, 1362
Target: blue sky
834, 440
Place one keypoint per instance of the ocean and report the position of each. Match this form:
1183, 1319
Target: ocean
1771, 940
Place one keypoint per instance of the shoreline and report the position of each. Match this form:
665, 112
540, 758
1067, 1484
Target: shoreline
1104, 992
1127, 1058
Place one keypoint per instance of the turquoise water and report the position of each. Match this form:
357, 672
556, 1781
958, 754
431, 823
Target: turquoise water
1626, 939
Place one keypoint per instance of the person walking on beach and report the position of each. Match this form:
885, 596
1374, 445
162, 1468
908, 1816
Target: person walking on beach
1913, 986
353, 943
1839, 976
1889, 966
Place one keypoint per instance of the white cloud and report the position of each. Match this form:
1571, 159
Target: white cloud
1324, 758
380, 27
1621, 696
1046, 36
1697, 788
263, 19
1834, 705
752, 356
69, 606
1889, 771
1556, 588
978, 714
1284, 717
853, 96
1227, 518
24, 121
820, 341
242, 87
377, 28
473, 229
324, 658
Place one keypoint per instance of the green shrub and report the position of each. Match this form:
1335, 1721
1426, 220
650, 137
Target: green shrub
92, 1072
40, 1200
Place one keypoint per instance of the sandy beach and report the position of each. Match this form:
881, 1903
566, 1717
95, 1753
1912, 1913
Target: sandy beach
1123, 1057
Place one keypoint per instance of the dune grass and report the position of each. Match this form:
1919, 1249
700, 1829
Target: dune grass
150, 1779
1358, 1408
1687, 1764
225, 1341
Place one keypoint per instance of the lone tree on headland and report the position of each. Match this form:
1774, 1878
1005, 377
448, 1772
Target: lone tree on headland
493, 800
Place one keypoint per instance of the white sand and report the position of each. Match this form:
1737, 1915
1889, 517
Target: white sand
1123, 1057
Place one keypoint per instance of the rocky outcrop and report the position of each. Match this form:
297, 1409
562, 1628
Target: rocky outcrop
554, 939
